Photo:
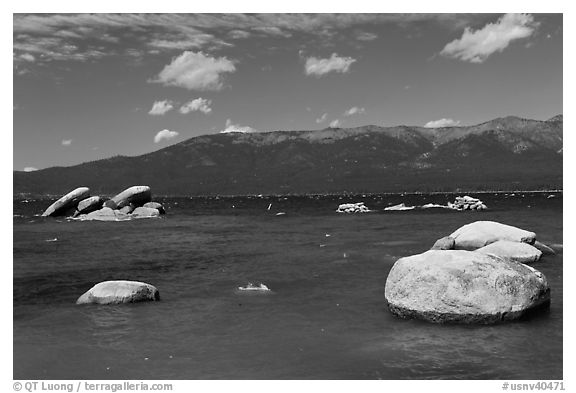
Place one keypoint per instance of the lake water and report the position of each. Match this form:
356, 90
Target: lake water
326, 317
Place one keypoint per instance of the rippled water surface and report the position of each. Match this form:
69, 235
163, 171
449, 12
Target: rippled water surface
325, 319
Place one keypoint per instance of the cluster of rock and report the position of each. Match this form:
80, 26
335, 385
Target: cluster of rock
134, 202
352, 208
478, 274
467, 203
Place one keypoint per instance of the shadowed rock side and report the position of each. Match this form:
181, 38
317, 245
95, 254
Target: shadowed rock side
116, 292
464, 287
506, 153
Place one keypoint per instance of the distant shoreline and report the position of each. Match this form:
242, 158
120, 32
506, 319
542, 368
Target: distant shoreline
359, 194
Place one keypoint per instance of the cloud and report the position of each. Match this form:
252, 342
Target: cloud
319, 67
335, 123
66, 142
161, 107
30, 169
238, 34
442, 123
355, 111
322, 118
365, 36
237, 128
28, 57
475, 46
199, 104
195, 71
165, 135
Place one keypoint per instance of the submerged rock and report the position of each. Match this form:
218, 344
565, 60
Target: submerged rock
67, 203
464, 287
116, 292
481, 233
136, 195
515, 251
544, 248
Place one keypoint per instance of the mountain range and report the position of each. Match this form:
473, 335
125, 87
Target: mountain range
507, 153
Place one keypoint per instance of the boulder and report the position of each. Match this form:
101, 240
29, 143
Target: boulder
137, 195
481, 233
67, 203
116, 292
105, 214
89, 205
446, 243
145, 212
155, 205
127, 209
464, 287
515, 251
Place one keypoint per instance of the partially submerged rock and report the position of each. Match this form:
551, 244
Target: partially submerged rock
155, 205
116, 292
467, 203
105, 214
399, 207
145, 212
127, 209
68, 203
352, 208
89, 205
464, 287
544, 248
481, 233
136, 195
515, 251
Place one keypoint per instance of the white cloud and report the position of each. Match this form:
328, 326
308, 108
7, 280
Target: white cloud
335, 123
237, 128
30, 169
355, 111
161, 107
319, 67
195, 71
442, 123
475, 46
28, 57
165, 135
66, 142
199, 104
365, 36
322, 118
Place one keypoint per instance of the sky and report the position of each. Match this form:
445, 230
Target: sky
92, 86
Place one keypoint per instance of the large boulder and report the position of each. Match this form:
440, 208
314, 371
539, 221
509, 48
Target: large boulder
155, 205
115, 292
105, 214
481, 233
145, 212
67, 203
464, 287
136, 195
89, 205
515, 251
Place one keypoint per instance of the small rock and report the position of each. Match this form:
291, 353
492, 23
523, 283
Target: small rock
445, 243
